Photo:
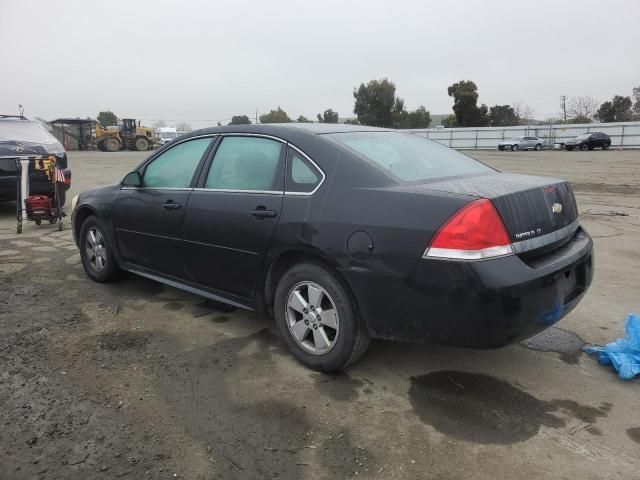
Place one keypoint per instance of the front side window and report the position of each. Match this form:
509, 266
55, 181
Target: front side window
407, 157
175, 167
246, 163
301, 176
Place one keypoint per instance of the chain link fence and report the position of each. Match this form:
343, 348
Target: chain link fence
623, 134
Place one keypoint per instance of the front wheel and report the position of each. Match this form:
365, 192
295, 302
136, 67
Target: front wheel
111, 144
141, 144
95, 251
317, 319
584, 147
538, 147
514, 148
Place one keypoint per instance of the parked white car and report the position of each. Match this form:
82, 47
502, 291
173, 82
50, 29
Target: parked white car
521, 143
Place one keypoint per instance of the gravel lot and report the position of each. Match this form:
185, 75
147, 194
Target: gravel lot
135, 380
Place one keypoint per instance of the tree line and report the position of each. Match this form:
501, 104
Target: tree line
377, 104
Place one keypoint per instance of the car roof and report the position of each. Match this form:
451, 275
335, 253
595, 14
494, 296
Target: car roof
286, 130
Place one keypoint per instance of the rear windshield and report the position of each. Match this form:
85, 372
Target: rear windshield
25, 131
408, 157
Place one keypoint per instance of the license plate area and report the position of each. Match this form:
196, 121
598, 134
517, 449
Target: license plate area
572, 282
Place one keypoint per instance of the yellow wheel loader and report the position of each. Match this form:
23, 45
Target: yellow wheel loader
129, 135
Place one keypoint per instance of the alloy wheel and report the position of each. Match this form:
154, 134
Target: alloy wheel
95, 249
312, 318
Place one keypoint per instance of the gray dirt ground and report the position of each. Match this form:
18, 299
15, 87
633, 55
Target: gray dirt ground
135, 380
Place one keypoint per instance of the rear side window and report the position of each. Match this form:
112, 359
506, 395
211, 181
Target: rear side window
301, 176
175, 167
246, 163
408, 157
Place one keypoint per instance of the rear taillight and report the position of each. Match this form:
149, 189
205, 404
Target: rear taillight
474, 232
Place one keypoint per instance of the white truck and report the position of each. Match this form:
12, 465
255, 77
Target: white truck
166, 134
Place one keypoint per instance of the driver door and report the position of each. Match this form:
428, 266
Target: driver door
148, 219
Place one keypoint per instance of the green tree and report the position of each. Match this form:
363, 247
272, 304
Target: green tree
465, 104
636, 97
580, 119
352, 121
419, 118
449, 122
240, 120
502, 116
303, 119
329, 116
107, 118
375, 102
617, 109
275, 116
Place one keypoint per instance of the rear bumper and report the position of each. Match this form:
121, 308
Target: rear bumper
480, 304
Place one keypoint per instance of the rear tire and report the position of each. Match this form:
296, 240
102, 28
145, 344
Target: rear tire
96, 252
514, 148
328, 342
606, 146
501, 148
569, 149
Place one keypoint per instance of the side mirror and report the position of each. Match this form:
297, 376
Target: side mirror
132, 179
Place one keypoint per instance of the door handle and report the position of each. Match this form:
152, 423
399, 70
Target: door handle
262, 212
171, 205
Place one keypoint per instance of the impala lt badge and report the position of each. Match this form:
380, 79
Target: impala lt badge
556, 208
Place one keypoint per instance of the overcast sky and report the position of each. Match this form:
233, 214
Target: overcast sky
204, 61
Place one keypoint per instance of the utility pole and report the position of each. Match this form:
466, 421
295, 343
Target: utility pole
563, 98
256, 115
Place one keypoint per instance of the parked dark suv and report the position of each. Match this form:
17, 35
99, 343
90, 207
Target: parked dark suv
21, 137
589, 141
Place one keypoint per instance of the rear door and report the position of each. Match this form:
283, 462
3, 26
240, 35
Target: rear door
232, 214
148, 219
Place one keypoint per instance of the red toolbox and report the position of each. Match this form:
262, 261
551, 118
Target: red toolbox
38, 206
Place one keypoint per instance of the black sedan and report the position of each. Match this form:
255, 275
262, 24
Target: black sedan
344, 233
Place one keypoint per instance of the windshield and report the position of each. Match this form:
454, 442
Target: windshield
408, 157
168, 134
584, 136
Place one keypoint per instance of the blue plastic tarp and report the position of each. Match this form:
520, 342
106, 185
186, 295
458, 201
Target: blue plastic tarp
624, 353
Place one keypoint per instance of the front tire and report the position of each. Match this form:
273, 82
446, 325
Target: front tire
514, 148
538, 147
584, 147
96, 252
318, 319
141, 144
111, 144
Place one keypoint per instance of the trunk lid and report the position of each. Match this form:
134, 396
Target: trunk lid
537, 211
